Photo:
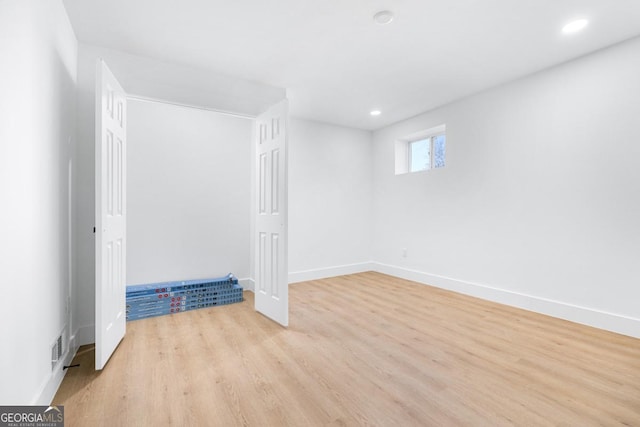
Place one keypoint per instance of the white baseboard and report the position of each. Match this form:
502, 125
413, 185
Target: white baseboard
52, 383
323, 273
247, 284
86, 335
587, 316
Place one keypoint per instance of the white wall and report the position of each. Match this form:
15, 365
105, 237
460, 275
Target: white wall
330, 186
188, 195
151, 78
147, 78
539, 203
38, 74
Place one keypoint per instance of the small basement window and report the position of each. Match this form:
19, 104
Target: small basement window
421, 151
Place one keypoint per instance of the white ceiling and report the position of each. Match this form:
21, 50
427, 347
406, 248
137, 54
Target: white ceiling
337, 64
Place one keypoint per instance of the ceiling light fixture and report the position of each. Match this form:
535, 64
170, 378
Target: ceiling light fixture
375, 112
383, 17
575, 26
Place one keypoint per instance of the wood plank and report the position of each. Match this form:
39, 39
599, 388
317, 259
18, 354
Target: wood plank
363, 349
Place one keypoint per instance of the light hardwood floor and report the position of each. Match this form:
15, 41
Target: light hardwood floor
364, 349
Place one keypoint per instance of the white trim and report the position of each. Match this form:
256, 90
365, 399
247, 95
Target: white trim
587, 316
85, 335
247, 284
323, 273
52, 383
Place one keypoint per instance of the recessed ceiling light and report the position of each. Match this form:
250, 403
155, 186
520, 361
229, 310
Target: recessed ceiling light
575, 26
383, 17
375, 112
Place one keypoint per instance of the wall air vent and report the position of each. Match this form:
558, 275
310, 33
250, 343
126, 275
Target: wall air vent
57, 350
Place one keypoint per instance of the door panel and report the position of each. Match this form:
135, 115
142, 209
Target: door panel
111, 223
272, 296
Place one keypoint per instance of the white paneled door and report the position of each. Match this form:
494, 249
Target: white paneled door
271, 286
111, 226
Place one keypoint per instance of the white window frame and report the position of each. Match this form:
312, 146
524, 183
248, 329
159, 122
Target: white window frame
403, 148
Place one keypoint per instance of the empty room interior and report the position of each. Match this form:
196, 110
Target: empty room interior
430, 211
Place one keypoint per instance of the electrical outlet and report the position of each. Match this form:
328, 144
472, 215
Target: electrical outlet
404, 252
